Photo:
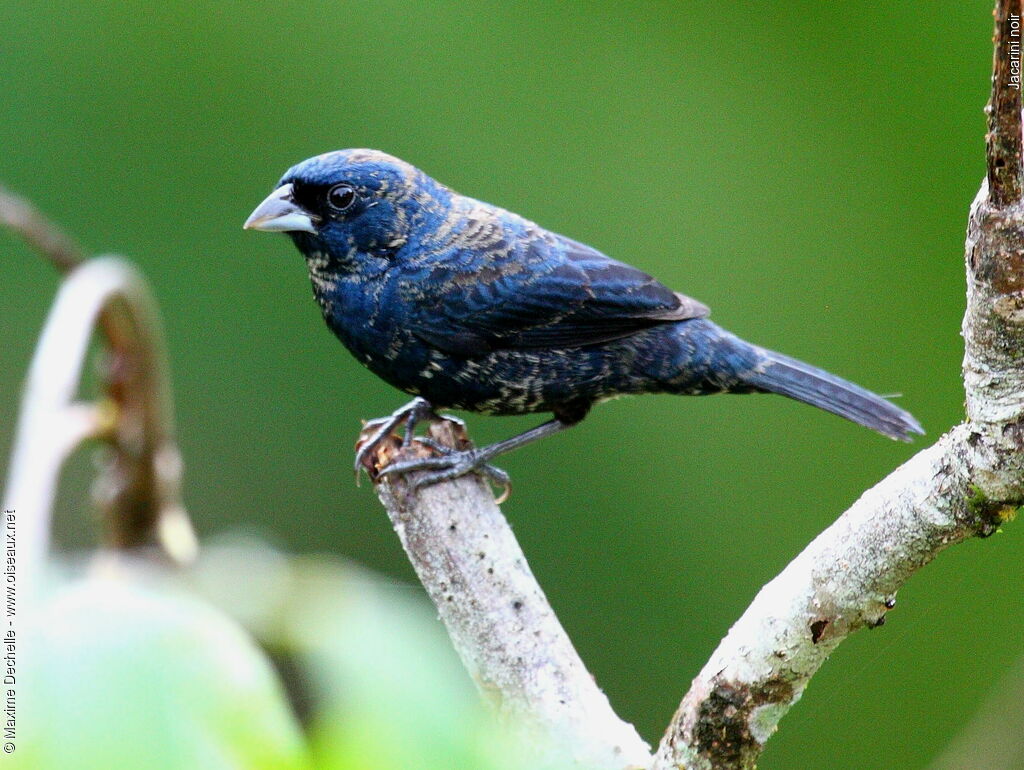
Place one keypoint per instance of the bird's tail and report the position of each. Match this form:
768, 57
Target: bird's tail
787, 376
711, 359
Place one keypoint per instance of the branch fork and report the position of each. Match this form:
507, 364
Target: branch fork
967, 484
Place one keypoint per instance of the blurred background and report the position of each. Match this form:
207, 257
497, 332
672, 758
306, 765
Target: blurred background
805, 169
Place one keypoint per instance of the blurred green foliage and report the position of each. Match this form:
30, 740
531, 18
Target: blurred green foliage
117, 672
384, 686
138, 667
803, 168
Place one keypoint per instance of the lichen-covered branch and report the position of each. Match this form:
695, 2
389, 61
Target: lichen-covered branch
500, 622
846, 579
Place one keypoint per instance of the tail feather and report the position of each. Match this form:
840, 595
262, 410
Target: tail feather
787, 376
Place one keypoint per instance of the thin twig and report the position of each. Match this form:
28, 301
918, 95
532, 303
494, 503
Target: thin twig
21, 217
1003, 142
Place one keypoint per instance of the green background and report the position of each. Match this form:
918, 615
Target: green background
803, 169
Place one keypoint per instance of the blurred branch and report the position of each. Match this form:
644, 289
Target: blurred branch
21, 217
139, 489
499, 620
966, 484
140, 484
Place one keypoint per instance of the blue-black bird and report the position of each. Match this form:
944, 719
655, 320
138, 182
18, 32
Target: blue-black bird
469, 306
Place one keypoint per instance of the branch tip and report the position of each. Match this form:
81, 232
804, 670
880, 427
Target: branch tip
1004, 138
21, 217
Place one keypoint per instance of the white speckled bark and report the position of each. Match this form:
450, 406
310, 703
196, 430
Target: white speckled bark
845, 579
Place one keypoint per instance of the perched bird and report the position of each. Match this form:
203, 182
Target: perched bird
469, 306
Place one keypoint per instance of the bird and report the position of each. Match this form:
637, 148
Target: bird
465, 305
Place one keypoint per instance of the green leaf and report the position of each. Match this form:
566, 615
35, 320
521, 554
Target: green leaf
130, 673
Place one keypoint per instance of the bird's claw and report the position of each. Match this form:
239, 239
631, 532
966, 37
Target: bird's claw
380, 428
447, 465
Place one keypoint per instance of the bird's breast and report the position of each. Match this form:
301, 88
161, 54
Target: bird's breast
365, 313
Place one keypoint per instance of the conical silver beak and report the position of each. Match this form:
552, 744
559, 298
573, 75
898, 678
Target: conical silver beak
279, 213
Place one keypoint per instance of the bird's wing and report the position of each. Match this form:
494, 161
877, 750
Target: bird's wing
548, 291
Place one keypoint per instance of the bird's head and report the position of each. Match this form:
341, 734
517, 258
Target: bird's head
351, 204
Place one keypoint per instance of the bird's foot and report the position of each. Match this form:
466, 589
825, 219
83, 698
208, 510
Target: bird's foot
449, 464
379, 430
381, 453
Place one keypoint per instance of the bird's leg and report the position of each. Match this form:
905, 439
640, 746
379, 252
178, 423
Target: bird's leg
412, 413
454, 463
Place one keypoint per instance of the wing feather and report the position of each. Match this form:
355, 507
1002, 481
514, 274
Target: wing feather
549, 292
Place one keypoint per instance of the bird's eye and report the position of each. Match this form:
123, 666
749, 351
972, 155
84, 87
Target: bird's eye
341, 197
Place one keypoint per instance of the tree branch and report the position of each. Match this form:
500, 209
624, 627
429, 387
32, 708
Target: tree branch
21, 217
966, 484
1003, 142
500, 621
844, 580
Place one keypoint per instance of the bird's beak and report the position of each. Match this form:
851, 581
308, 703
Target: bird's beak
279, 213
